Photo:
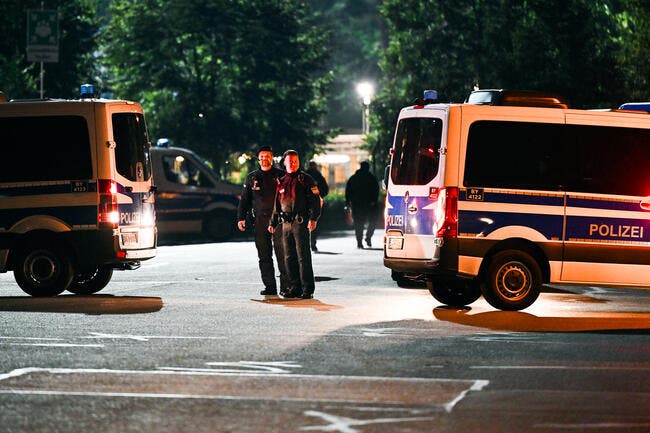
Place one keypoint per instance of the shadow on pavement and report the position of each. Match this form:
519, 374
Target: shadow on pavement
90, 304
526, 322
314, 304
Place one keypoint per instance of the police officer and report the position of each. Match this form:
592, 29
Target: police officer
296, 212
257, 199
323, 189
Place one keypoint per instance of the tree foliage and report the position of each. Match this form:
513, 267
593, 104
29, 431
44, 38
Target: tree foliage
78, 26
222, 75
570, 47
356, 29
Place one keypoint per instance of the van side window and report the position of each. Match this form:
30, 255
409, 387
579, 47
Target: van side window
558, 157
514, 155
609, 160
417, 151
131, 146
45, 148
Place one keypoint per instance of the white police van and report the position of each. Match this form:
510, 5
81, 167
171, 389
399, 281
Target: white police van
190, 197
512, 190
76, 192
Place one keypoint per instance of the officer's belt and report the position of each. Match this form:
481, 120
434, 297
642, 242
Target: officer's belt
289, 217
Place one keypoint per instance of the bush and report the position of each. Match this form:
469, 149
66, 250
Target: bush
333, 215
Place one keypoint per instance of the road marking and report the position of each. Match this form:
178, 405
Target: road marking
557, 367
217, 384
30, 338
344, 424
100, 335
53, 344
597, 425
241, 367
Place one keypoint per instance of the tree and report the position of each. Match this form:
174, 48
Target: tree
78, 27
357, 31
567, 47
221, 76
634, 19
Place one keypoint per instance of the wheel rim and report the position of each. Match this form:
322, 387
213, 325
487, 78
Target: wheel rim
41, 268
514, 280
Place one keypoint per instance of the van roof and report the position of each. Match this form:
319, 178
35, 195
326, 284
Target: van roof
519, 98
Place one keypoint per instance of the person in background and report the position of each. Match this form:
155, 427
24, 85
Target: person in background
361, 193
295, 215
257, 200
324, 189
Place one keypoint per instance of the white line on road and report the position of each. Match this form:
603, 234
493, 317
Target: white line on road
557, 367
100, 335
597, 425
30, 338
400, 391
52, 344
344, 424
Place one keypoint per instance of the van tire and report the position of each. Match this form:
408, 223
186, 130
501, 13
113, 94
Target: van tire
91, 282
219, 226
454, 292
43, 270
514, 280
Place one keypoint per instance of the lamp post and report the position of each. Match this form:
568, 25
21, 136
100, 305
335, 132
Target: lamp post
365, 90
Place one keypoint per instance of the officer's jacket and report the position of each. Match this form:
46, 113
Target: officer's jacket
297, 195
258, 194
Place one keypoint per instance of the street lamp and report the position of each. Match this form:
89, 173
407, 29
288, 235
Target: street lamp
365, 90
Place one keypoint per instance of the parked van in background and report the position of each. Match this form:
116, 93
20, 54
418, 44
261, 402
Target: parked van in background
190, 198
76, 193
513, 190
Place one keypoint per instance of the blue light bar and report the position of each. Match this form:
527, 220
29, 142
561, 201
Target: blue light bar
87, 91
431, 95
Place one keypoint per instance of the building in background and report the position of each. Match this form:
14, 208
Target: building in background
340, 158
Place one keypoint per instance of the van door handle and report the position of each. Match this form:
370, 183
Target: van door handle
645, 203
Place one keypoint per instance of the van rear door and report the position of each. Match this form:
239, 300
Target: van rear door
416, 176
133, 179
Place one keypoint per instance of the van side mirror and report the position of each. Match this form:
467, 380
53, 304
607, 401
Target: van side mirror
386, 174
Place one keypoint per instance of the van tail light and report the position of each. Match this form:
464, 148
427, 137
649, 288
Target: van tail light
108, 215
448, 216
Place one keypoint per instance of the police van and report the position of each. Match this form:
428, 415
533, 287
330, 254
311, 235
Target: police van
76, 192
512, 190
190, 197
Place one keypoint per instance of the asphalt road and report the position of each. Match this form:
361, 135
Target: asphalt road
187, 344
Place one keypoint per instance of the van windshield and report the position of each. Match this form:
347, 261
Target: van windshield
417, 151
131, 146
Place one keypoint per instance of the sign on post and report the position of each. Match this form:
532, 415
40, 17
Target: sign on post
43, 36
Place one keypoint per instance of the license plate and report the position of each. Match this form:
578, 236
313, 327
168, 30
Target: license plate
129, 238
395, 243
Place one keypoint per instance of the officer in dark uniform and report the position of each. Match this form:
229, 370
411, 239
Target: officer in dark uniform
257, 199
323, 189
296, 212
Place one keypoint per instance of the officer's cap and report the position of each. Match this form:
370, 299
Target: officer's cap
265, 149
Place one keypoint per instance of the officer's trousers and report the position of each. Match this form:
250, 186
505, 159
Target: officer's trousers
297, 255
266, 243
362, 215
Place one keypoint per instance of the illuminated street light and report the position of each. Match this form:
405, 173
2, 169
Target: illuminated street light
365, 90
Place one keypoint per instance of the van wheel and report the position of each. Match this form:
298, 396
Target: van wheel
91, 282
219, 226
514, 281
43, 270
399, 278
454, 292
